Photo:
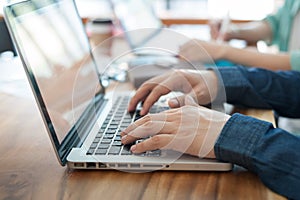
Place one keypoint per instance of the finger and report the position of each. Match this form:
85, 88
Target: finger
153, 143
176, 102
139, 96
146, 120
189, 100
147, 126
154, 95
144, 131
143, 91
183, 100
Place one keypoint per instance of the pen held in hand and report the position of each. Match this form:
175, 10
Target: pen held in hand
224, 28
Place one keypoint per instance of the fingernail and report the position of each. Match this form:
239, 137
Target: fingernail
133, 148
124, 137
174, 102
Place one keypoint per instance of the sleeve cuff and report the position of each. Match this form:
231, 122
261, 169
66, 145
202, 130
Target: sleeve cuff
239, 138
295, 60
270, 20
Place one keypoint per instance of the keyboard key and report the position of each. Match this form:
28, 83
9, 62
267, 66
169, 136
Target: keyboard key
117, 143
99, 135
154, 153
106, 121
122, 127
137, 115
103, 146
126, 150
93, 145
106, 141
101, 130
117, 120
110, 131
108, 136
114, 123
101, 151
90, 152
96, 140
112, 127
114, 150
128, 121
118, 138
140, 154
104, 126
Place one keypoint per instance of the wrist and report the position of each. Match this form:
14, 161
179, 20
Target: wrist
208, 151
212, 84
224, 52
234, 32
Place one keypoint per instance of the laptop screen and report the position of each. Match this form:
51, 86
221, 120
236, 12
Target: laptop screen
57, 58
135, 15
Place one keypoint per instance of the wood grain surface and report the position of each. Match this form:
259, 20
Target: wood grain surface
29, 169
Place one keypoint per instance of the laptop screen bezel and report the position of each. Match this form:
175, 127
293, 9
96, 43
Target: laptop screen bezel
121, 21
73, 137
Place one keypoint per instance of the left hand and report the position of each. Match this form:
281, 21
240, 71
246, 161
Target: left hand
190, 129
198, 50
201, 85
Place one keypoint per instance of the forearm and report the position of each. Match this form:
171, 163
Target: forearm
248, 57
271, 153
252, 31
259, 88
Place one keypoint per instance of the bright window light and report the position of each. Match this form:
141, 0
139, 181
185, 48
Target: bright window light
238, 9
241, 9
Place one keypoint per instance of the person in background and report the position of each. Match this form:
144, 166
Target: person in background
272, 153
281, 29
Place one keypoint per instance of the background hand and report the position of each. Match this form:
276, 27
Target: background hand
215, 26
226, 35
198, 50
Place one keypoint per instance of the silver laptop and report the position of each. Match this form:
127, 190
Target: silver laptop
144, 30
83, 122
135, 15
155, 46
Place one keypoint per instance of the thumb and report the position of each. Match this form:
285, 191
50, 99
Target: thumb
190, 101
181, 101
177, 102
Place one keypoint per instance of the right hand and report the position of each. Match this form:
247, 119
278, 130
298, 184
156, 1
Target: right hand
202, 86
190, 129
203, 51
215, 27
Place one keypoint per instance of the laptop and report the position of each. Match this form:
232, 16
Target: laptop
144, 31
83, 120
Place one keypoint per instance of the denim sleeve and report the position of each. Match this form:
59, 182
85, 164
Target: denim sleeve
260, 88
271, 153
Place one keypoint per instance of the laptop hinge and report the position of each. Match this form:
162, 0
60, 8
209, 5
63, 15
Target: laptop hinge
81, 129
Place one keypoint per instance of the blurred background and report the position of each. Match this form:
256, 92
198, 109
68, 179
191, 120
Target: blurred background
239, 9
172, 13
201, 9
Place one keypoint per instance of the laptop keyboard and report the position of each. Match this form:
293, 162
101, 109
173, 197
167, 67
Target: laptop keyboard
108, 138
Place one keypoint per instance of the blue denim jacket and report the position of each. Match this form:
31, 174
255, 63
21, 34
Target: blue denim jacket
272, 153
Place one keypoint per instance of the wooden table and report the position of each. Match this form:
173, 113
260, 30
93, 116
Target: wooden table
29, 169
